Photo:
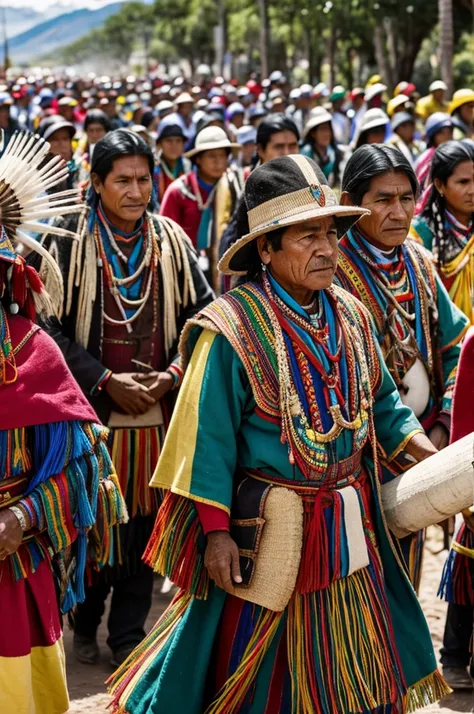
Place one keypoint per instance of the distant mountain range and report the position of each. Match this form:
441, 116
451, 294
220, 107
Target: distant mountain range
44, 32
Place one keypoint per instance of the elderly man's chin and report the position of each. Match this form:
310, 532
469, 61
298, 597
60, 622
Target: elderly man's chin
129, 213
320, 279
393, 238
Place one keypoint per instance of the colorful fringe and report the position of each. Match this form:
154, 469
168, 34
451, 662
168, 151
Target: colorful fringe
73, 496
135, 453
176, 546
457, 580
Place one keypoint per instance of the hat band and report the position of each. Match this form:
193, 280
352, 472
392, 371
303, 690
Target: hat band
277, 209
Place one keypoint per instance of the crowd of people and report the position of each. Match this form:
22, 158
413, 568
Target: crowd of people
258, 289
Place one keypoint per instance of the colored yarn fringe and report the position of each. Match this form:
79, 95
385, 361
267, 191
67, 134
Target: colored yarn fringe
176, 546
427, 691
135, 453
456, 580
73, 493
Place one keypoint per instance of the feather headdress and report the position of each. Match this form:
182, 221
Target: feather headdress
27, 173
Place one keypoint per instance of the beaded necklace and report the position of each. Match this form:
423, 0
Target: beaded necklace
131, 279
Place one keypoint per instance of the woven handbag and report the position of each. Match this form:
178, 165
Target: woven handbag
432, 490
270, 543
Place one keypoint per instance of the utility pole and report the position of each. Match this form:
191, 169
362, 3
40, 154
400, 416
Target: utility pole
446, 44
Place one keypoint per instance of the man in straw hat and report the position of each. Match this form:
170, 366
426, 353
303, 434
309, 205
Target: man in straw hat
418, 328
194, 200
129, 284
286, 400
59, 496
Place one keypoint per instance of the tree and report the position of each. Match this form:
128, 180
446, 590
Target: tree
447, 42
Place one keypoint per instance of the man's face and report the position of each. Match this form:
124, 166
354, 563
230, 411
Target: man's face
376, 135
67, 112
248, 150
61, 144
308, 256
438, 95
391, 201
172, 147
95, 132
406, 132
126, 191
282, 143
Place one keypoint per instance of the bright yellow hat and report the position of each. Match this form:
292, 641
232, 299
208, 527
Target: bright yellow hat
375, 79
396, 102
462, 96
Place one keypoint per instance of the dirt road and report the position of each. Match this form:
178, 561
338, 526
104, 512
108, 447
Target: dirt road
86, 684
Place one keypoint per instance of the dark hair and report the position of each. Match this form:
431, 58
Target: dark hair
317, 156
115, 145
272, 125
96, 116
446, 159
373, 160
274, 239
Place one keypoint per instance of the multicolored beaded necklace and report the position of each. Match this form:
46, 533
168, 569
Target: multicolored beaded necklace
400, 299
132, 279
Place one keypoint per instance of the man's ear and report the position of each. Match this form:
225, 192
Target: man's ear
96, 183
263, 250
346, 199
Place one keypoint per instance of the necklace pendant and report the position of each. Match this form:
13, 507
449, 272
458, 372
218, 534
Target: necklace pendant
332, 380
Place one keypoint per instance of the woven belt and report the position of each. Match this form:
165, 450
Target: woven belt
12, 490
344, 473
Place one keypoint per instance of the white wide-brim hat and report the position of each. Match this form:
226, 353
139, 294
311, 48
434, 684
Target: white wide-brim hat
318, 116
212, 137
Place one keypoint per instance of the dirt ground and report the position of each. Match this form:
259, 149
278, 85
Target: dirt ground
86, 684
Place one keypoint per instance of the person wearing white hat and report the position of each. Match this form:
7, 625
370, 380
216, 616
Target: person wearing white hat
373, 99
235, 115
183, 115
372, 129
434, 101
192, 199
319, 144
247, 138
403, 137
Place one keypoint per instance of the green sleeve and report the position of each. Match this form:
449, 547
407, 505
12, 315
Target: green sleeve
200, 452
395, 424
420, 230
452, 325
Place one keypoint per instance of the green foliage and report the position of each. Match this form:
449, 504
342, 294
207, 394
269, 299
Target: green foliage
463, 64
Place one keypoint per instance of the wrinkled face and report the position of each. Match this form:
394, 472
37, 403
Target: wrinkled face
458, 191
212, 164
61, 144
308, 257
444, 134
391, 201
172, 147
282, 143
322, 135
95, 132
126, 191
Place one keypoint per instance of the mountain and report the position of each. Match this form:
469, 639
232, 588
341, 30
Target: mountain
20, 19
63, 29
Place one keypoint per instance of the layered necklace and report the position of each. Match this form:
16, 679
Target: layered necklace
131, 278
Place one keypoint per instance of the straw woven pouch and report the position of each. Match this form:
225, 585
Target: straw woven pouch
270, 565
432, 490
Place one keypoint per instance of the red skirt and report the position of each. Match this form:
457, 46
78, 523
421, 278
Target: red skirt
32, 663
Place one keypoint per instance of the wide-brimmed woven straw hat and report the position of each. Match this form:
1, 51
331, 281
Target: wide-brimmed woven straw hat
282, 192
212, 137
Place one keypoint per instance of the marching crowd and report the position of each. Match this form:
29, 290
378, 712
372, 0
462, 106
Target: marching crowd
337, 228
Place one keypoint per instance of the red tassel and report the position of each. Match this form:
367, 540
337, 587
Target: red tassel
18, 283
314, 567
34, 279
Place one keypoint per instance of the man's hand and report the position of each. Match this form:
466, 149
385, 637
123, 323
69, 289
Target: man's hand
420, 447
129, 394
11, 534
222, 560
161, 385
439, 436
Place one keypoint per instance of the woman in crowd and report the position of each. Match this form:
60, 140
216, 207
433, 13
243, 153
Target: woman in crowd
444, 224
96, 126
438, 129
320, 145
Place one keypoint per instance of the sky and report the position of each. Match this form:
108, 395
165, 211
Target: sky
68, 4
